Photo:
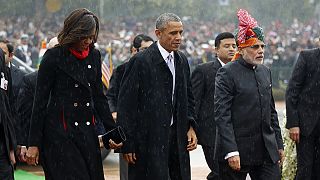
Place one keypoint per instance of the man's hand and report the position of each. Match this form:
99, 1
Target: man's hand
234, 162
130, 157
295, 134
33, 155
281, 154
21, 153
114, 116
12, 158
192, 140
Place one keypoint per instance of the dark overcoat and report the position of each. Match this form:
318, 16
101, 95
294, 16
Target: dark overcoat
303, 93
203, 83
68, 97
24, 106
245, 113
6, 117
145, 108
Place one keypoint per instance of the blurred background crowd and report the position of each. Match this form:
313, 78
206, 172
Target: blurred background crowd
289, 27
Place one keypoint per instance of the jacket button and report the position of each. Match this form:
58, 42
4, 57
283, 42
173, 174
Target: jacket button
88, 104
88, 123
75, 104
89, 66
76, 123
76, 85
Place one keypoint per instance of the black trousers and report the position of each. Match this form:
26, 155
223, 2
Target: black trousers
265, 171
6, 169
308, 150
212, 163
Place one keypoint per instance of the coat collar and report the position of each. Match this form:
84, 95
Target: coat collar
216, 63
245, 64
72, 66
154, 50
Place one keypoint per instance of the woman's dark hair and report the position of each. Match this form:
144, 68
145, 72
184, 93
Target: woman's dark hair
78, 25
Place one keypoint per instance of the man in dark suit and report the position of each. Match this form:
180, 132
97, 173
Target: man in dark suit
302, 104
7, 134
250, 139
156, 107
203, 80
24, 109
16, 76
140, 42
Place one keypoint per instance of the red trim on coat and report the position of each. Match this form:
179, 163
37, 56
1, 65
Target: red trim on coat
93, 120
63, 120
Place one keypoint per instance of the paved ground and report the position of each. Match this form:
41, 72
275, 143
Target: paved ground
111, 166
198, 164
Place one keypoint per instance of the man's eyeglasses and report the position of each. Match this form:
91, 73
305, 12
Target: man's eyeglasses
257, 46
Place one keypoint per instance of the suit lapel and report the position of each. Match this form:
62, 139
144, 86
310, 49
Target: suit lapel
179, 76
213, 71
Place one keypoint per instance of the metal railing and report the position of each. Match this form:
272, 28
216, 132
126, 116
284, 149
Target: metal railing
22, 65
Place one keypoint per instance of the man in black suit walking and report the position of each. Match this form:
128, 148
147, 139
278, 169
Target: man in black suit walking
250, 139
203, 81
156, 107
302, 104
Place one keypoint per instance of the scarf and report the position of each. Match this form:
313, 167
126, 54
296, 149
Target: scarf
80, 55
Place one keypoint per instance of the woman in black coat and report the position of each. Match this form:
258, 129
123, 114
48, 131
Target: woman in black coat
68, 99
7, 135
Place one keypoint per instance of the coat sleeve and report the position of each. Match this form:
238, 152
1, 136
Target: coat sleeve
191, 102
45, 82
100, 100
128, 102
198, 85
275, 120
224, 94
294, 89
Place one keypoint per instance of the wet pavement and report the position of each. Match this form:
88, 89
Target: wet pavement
111, 166
199, 169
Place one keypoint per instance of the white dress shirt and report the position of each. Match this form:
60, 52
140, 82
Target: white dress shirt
164, 53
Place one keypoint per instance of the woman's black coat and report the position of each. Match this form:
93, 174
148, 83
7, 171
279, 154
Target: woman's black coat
68, 97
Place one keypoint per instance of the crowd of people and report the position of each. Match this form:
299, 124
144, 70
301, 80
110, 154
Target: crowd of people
284, 41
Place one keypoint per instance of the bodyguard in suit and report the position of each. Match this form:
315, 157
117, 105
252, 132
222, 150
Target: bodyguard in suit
7, 134
203, 81
302, 104
156, 107
24, 109
249, 132
16, 75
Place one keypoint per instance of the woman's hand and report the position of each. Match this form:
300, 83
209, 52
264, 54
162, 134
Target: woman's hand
33, 155
113, 145
12, 158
